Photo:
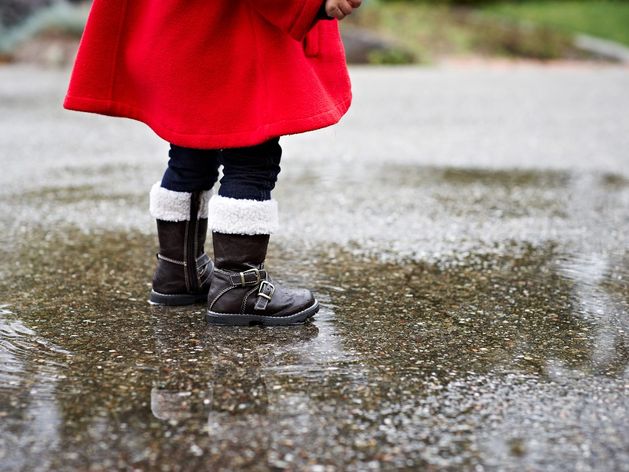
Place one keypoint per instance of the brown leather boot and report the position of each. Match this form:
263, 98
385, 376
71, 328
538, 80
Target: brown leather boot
243, 293
183, 269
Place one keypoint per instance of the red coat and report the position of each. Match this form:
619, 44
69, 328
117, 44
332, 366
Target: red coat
212, 73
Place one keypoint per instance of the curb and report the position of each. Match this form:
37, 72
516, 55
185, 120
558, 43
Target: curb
602, 48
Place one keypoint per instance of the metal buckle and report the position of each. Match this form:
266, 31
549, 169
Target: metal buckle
261, 294
250, 271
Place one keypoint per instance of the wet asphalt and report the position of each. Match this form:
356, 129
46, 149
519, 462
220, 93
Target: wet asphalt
465, 230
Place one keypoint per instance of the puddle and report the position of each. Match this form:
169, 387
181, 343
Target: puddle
477, 320
614, 180
408, 364
53, 196
89, 171
434, 214
31, 368
510, 313
512, 179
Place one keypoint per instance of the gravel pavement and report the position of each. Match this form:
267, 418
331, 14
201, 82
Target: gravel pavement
464, 228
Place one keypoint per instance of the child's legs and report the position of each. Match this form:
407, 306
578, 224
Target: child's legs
250, 172
191, 170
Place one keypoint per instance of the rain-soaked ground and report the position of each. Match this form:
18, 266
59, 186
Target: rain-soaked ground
465, 231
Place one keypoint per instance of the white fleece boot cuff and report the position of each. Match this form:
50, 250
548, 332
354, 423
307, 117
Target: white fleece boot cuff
241, 216
167, 205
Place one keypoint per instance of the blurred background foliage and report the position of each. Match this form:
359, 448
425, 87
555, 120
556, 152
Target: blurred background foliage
535, 29
382, 31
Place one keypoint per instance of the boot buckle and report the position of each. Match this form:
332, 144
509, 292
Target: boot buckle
243, 277
263, 293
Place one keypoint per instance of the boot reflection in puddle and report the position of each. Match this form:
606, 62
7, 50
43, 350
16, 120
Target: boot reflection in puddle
219, 372
239, 401
237, 390
180, 391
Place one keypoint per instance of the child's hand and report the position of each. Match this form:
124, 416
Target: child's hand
339, 9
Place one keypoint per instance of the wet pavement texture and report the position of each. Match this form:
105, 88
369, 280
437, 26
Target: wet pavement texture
465, 231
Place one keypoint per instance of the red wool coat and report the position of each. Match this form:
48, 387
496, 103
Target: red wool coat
212, 73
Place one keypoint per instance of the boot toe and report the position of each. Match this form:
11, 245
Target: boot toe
304, 298
296, 301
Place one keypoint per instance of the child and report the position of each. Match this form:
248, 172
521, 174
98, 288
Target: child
221, 81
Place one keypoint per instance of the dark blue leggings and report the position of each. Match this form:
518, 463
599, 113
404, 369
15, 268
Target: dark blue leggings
248, 172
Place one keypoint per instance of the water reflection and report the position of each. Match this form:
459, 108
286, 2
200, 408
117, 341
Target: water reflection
231, 378
31, 367
408, 364
258, 390
598, 300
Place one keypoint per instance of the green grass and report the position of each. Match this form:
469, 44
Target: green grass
431, 31
603, 18
428, 31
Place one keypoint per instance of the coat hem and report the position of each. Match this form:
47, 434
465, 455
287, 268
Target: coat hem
211, 141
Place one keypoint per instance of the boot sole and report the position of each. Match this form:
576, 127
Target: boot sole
232, 319
167, 299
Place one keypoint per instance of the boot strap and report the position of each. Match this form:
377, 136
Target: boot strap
201, 260
265, 293
172, 261
253, 277
248, 278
